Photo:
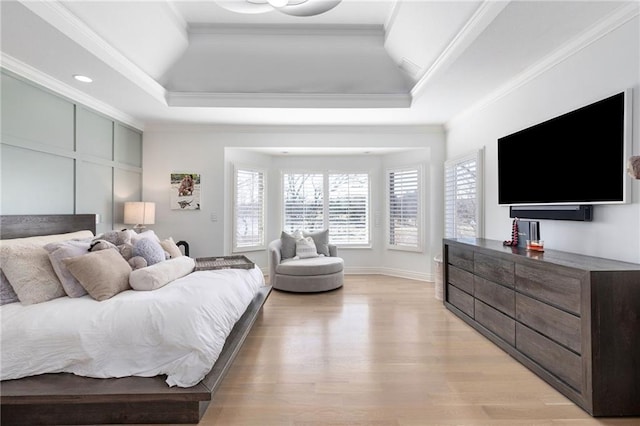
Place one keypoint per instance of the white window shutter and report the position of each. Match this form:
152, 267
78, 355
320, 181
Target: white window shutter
404, 208
249, 205
349, 208
303, 195
463, 186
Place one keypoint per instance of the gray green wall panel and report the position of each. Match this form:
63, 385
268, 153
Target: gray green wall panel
58, 156
94, 134
94, 188
36, 182
35, 115
127, 146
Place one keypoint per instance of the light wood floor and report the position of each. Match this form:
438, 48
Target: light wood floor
380, 351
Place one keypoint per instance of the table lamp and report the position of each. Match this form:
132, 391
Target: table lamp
139, 213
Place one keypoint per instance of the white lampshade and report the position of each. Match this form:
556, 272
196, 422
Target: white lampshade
139, 213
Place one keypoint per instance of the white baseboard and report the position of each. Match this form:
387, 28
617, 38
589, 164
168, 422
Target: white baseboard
401, 273
392, 272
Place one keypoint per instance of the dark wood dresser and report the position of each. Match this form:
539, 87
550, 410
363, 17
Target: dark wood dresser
573, 320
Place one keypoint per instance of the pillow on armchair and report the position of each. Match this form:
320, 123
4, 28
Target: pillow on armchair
306, 248
288, 249
321, 240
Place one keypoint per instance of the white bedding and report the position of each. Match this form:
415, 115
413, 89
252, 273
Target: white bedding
177, 330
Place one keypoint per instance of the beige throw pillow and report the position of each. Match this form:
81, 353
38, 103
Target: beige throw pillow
102, 273
170, 247
26, 265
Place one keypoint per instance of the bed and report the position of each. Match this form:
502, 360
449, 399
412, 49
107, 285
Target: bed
165, 388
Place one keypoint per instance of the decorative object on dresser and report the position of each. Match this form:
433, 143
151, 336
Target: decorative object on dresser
633, 166
139, 213
571, 319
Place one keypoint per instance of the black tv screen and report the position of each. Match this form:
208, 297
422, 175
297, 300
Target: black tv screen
576, 158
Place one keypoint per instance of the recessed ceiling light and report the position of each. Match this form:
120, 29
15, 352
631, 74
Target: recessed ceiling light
82, 78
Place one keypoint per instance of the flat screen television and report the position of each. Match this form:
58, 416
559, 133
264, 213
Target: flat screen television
576, 158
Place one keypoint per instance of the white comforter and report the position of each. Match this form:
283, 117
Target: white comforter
177, 330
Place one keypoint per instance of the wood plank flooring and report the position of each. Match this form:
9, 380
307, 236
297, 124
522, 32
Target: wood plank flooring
381, 351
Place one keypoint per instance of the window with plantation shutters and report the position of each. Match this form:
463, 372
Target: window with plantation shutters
249, 209
463, 196
328, 200
349, 208
404, 204
303, 195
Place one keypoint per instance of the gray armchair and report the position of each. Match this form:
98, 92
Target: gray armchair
308, 275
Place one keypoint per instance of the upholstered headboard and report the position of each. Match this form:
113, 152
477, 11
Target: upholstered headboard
18, 226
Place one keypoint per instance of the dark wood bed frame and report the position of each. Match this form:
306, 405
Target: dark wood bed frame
67, 399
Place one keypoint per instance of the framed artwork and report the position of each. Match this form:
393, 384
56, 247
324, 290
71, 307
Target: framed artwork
185, 191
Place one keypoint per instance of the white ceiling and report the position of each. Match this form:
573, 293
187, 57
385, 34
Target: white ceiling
365, 62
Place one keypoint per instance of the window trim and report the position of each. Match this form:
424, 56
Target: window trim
264, 172
478, 155
325, 179
419, 248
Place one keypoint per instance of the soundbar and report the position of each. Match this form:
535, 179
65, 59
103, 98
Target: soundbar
583, 213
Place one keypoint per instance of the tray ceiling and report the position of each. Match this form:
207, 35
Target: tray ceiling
362, 62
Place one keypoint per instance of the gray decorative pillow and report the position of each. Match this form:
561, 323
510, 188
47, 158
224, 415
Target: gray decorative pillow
321, 239
150, 250
102, 273
7, 295
288, 249
65, 250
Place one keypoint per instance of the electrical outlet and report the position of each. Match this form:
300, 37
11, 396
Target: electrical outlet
214, 216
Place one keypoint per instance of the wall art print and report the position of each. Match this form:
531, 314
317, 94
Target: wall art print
185, 191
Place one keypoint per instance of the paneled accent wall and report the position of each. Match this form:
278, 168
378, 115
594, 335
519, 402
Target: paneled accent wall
58, 156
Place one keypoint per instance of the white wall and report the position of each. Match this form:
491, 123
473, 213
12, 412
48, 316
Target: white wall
212, 151
609, 65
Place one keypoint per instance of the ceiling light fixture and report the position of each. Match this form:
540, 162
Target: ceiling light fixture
278, 3
288, 7
83, 78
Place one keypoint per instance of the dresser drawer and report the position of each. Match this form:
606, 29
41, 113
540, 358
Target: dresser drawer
560, 290
495, 295
494, 269
500, 324
559, 361
558, 325
461, 279
460, 257
460, 300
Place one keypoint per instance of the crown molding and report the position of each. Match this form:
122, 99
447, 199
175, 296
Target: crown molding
481, 19
341, 30
53, 12
605, 26
358, 129
36, 76
287, 100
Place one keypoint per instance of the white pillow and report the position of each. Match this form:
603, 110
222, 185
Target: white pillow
305, 248
161, 274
